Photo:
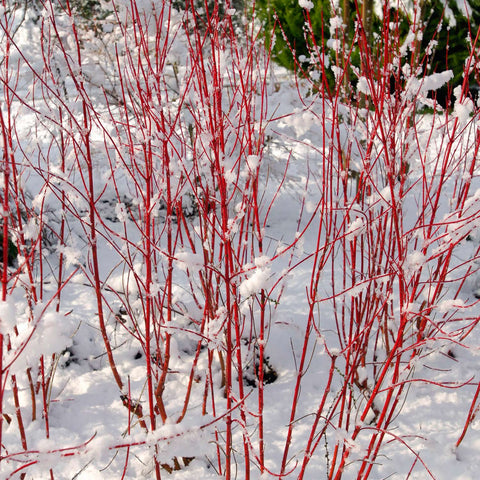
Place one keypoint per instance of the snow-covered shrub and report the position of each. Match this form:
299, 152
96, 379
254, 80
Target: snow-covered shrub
238, 280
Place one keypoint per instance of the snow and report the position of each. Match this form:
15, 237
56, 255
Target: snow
256, 282
463, 107
307, 4
252, 162
363, 86
303, 271
356, 228
436, 80
7, 316
450, 305
464, 7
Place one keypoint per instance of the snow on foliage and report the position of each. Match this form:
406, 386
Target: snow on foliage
307, 4
256, 282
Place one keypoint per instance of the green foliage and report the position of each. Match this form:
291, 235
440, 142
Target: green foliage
88, 9
442, 21
289, 21
86, 12
452, 48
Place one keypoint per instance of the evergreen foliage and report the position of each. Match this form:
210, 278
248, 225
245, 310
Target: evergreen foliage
289, 21
442, 21
86, 12
451, 29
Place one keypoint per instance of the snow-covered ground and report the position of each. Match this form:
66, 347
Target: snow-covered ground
363, 259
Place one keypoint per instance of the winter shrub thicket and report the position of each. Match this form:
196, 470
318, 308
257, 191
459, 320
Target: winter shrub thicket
194, 228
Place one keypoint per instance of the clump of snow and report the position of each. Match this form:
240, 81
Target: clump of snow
8, 316
419, 87
356, 228
450, 16
256, 282
31, 229
464, 7
252, 162
71, 255
363, 86
362, 374
338, 72
415, 260
262, 261
307, 4
450, 304
189, 261
47, 333
463, 107
410, 41
436, 80
214, 327
336, 21
356, 290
